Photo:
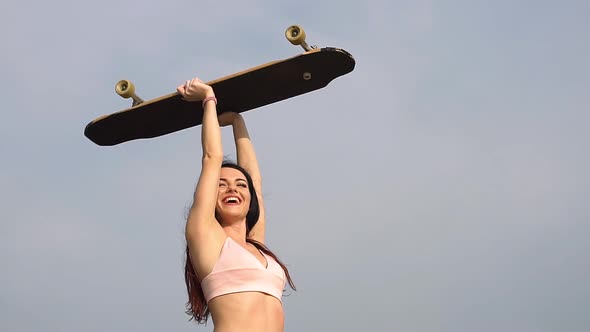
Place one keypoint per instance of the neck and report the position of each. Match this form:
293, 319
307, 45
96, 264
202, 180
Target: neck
237, 231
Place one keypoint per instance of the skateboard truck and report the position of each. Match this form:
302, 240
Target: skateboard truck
126, 89
296, 36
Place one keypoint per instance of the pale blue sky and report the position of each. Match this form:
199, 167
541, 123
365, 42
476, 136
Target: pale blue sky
441, 186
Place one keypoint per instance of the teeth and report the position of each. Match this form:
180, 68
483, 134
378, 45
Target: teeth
232, 200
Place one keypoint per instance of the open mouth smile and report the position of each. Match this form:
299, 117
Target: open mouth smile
232, 200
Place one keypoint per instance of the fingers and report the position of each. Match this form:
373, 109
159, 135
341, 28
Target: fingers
181, 91
184, 89
190, 88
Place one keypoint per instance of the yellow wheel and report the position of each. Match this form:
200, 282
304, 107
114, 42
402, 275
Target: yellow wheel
295, 35
125, 89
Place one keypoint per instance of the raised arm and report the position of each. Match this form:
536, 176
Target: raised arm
247, 159
204, 235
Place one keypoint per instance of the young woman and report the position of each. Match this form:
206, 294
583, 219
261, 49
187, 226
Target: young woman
230, 274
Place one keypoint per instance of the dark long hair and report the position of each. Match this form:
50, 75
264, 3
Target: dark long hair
197, 307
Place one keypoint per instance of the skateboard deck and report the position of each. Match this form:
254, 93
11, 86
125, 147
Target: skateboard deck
240, 92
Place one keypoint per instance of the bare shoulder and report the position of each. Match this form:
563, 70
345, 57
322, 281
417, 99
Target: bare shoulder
205, 246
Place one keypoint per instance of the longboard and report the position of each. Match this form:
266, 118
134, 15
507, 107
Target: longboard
240, 92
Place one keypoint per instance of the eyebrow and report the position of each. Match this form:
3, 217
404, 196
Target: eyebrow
238, 179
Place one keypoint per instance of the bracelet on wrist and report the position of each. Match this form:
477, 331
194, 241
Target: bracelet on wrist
209, 99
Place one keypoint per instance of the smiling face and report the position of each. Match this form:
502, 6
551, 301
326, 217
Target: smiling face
233, 195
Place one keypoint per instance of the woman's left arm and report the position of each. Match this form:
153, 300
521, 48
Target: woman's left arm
247, 159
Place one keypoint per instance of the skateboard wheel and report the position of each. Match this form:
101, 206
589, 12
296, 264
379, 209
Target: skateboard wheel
295, 35
125, 88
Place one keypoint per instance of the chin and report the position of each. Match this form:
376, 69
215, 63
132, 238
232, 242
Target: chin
229, 215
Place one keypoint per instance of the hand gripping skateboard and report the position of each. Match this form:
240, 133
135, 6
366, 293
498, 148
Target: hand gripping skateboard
240, 92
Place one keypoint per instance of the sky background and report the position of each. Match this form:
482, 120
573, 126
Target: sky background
441, 186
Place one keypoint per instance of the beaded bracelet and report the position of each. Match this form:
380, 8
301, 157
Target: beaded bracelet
208, 99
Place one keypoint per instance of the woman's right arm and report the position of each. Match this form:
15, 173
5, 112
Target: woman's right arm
204, 235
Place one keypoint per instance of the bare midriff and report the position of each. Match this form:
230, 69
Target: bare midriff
247, 311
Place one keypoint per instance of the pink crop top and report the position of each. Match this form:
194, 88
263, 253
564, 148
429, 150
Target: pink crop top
237, 270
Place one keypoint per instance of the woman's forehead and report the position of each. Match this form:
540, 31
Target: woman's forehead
231, 173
